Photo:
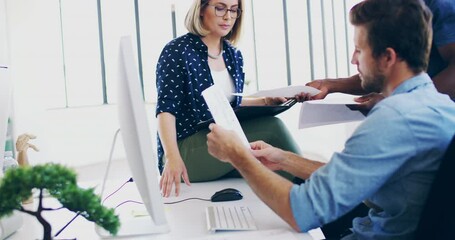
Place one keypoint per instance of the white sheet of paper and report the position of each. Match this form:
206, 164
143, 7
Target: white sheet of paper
288, 92
222, 112
330, 110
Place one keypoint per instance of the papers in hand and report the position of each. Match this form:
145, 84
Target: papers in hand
288, 92
222, 112
331, 110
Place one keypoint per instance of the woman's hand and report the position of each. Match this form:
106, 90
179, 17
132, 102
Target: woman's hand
272, 101
263, 101
174, 171
174, 167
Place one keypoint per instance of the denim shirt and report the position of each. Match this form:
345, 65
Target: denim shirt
182, 73
391, 160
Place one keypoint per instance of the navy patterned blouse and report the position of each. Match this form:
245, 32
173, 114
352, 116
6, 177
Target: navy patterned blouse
182, 73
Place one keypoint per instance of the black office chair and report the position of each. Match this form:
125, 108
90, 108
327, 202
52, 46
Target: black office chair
438, 216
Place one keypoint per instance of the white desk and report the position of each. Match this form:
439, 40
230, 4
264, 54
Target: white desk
186, 220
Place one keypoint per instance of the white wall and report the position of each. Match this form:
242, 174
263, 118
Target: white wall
3, 34
73, 136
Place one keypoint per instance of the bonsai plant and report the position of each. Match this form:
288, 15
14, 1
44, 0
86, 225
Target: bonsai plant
60, 182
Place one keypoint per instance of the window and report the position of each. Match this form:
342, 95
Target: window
81, 53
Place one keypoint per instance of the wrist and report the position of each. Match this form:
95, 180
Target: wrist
330, 85
241, 158
171, 157
285, 161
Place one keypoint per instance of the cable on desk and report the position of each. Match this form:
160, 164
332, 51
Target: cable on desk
103, 184
111, 194
179, 201
186, 199
118, 189
108, 196
66, 225
109, 161
127, 201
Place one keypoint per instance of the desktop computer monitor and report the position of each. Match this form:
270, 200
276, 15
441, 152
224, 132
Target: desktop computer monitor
139, 150
8, 225
5, 104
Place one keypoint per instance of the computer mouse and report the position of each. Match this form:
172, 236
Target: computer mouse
228, 194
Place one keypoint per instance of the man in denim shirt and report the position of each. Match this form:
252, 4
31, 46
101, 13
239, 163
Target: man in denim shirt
391, 159
441, 69
441, 65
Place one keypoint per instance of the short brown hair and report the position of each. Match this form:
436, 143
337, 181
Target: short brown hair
404, 25
193, 21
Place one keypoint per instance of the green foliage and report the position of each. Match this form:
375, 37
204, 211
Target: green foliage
61, 184
87, 203
14, 187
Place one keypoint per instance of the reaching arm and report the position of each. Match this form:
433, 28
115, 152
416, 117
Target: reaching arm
445, 80
350, 85
174, 168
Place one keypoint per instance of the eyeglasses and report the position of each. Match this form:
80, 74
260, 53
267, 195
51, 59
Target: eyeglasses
221, 11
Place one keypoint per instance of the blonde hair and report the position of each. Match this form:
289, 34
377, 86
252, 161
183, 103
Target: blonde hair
193, 21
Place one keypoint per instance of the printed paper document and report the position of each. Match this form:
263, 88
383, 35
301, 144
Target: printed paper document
222, 112
331, 110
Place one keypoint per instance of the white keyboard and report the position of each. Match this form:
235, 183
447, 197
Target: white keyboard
229, 218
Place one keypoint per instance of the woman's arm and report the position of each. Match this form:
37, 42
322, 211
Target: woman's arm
174, 167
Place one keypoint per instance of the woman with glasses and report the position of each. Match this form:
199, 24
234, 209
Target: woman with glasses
188, 65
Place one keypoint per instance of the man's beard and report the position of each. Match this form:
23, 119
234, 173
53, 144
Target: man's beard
373, 82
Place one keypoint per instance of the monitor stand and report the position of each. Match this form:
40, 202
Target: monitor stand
10, 224
134, 226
